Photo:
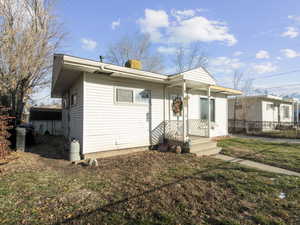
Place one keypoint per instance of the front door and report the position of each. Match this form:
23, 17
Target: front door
203, 122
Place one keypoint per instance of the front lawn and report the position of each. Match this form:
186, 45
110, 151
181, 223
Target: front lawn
282, 155
145, 188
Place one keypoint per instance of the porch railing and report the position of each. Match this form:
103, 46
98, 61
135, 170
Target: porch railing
174, 128
198, 127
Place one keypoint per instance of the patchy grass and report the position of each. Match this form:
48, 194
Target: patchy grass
281, 134
145, 188
277, 154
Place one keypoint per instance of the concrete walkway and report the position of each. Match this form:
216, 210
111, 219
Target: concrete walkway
256, 165
268, 139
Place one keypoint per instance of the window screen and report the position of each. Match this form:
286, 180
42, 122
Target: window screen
124, 95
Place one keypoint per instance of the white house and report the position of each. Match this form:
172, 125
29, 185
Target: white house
268, 110
108, 107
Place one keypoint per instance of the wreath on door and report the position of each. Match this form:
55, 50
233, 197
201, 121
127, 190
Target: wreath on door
177, 106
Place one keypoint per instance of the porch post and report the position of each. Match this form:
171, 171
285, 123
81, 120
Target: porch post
297, 111
184, 132
209, 110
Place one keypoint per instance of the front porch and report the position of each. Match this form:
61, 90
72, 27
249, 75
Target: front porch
200, 109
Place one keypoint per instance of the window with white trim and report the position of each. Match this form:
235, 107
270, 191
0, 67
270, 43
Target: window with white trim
286, 112
132, 96
124, 95
269, 106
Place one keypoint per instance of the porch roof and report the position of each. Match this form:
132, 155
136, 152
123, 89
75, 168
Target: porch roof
196, 85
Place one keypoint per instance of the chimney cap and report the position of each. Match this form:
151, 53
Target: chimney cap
134, 64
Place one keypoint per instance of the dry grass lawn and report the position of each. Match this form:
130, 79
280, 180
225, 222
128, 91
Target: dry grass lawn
143, 188
282, 155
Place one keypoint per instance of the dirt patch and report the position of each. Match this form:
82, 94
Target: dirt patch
143, 188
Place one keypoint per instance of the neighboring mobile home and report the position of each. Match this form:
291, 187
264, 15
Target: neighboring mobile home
265, 109
108, 107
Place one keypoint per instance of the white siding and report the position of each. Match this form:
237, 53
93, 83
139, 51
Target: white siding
220, 127
109, 125
199, 75
64, 122
72, 117
270, 114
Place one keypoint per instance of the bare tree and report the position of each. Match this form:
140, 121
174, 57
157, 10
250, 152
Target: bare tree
29, 35
241, 106
135, 47
189, 57
237, 78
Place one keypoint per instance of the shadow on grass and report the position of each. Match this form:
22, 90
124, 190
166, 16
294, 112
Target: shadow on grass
108, 207
48, 146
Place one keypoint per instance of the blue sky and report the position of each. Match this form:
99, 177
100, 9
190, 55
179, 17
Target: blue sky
260, 37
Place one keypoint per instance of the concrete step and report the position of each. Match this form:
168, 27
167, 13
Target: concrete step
199, 140
208, 152
203, 146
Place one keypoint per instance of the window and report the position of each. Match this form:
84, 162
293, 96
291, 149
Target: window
270, 106
136, 96
141, 96
73, 99
124, 95
204, 109
286, 112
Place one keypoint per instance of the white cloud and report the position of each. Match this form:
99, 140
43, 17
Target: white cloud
262, 54
199, 28
295, 18
225, 65
88, 44
238, 53
290, 53
153, 21
184, 27
265, 67
115, 24
182, 14
166, 50
290, 32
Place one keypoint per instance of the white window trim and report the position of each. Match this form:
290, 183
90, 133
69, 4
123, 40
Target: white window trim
133, 103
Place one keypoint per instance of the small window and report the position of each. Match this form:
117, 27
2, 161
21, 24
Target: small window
270, 106
124, 95
73, 99
286, 112
141, 96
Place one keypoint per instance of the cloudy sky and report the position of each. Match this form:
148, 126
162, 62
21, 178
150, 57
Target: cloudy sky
259, 37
